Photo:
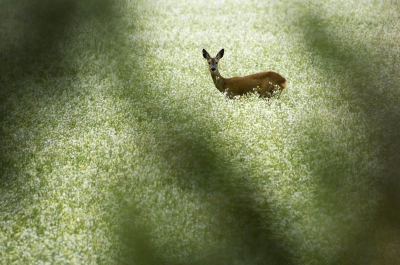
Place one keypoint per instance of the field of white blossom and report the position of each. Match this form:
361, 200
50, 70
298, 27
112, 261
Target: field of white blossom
116, 147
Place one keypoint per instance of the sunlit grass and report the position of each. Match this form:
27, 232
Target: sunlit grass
122, 151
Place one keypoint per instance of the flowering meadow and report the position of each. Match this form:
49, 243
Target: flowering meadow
116, 147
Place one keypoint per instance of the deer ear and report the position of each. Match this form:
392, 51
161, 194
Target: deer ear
206, 55
220, 54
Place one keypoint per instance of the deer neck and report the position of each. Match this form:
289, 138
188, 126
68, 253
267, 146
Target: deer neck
218, 80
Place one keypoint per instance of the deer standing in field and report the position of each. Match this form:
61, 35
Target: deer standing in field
264, 83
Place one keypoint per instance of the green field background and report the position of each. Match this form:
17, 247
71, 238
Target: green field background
116, 147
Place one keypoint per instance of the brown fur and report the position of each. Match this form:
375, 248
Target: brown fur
264, 83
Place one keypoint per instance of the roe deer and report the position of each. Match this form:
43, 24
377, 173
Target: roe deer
264, 83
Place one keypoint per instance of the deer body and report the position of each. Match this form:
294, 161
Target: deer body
264, 83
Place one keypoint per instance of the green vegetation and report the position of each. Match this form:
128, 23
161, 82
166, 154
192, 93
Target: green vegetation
116, 148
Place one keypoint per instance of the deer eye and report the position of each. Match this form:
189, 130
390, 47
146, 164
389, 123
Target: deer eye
209, 63
216, 62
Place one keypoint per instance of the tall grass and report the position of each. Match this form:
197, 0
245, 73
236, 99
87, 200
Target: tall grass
116, 148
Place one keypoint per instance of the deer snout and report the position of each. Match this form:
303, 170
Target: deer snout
213, 69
